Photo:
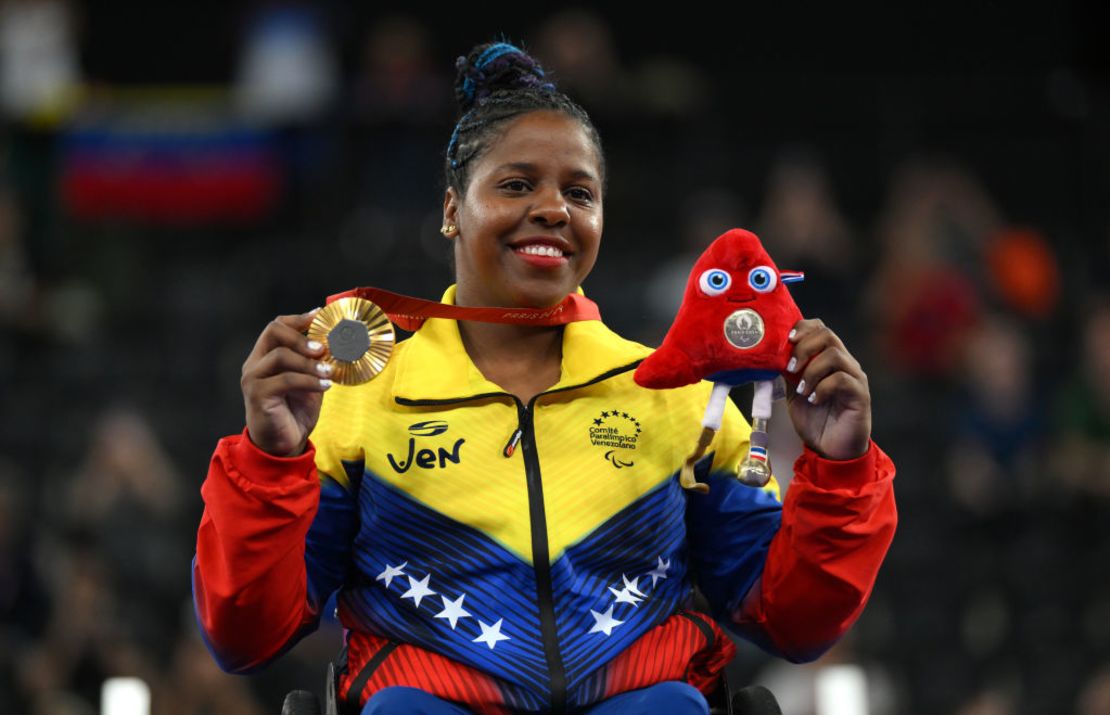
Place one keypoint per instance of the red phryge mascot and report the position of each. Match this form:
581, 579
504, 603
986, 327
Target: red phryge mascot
732, 329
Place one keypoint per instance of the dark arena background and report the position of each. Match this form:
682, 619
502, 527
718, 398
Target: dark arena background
177, 174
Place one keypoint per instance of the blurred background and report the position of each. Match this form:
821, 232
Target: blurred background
174, 175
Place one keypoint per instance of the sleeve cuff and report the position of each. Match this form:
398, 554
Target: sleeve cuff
833, 474
262, 470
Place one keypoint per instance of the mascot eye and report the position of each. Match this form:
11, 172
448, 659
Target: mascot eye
714, 281
762, 279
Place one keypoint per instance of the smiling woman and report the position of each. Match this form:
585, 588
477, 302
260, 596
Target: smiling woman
527, 231
529, 222
499, 509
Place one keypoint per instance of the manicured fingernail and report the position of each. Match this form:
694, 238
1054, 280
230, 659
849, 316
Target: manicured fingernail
325, 384
792, 334
792, 365
314, 310
314, 345
801, 387
813, 398
323, 368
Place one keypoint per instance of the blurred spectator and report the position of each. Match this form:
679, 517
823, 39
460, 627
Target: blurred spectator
125, 501
17, 283
576, 47
800, 220
925, 293
999, 421
991, 701
288, 70
1083, 411
196, 685
704, 215
1094, 698
24, 599
39, 73
402, 111
804, 230
86, 641
398, 78
670, 87
116, 547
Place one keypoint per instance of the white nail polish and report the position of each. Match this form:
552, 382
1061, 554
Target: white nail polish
813, 398
792, 365
792, 334
314, 345
325, 384
323, 368
801, 387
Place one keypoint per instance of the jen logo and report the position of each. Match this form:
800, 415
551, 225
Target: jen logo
427, 457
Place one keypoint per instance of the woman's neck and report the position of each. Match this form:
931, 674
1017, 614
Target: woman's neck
524, 360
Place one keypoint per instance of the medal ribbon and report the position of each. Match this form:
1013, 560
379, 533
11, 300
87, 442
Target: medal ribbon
410, 313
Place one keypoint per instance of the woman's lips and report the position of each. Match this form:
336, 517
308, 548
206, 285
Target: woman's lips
542, 255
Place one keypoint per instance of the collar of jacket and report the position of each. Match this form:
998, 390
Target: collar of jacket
434, 365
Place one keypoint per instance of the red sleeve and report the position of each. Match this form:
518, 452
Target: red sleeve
838, 522
249, 576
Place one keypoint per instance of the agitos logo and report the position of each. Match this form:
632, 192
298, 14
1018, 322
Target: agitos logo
427, 458
619, 431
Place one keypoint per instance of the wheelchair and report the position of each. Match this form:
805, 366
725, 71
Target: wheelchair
752, 700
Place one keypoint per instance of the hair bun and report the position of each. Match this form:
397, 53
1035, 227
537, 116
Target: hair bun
493, 67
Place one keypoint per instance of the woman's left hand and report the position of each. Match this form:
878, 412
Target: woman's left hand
828, 396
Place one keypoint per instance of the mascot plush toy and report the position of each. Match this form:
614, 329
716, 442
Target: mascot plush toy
732, 328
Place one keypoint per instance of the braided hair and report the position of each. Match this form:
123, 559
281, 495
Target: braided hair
494, 84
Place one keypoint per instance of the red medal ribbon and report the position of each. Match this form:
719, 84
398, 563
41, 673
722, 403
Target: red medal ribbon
410, 313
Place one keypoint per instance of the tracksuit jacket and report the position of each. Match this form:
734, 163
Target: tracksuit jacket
528, 557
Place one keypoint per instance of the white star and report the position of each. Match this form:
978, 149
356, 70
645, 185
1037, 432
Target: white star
660, 571
418, 589
453, 610
491, 634
605, 623
633, 586
391, 572
625, 596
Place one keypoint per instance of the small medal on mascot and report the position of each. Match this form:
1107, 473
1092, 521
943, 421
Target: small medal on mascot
732, 328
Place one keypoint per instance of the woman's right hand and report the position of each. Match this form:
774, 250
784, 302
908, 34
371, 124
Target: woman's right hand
283, 385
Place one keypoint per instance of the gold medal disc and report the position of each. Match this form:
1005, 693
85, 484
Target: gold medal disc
358, 337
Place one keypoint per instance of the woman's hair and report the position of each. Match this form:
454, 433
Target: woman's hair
494, 84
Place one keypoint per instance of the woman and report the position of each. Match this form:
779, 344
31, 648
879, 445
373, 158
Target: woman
499, 507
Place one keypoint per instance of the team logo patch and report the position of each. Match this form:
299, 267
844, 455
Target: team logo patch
619, 432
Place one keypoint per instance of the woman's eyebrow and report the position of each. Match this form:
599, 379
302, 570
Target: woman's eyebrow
582, 174
529, 167
517, 166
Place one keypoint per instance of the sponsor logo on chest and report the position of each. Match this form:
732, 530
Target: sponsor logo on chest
424, 454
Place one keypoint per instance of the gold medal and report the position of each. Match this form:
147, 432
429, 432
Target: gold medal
358, 337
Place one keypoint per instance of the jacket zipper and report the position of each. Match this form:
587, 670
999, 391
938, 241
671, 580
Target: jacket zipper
525, 437
541, 553
514, 440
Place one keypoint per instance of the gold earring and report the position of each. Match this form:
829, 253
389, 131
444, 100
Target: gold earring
449, 229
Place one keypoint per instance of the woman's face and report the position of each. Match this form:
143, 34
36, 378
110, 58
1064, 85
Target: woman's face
529, 222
